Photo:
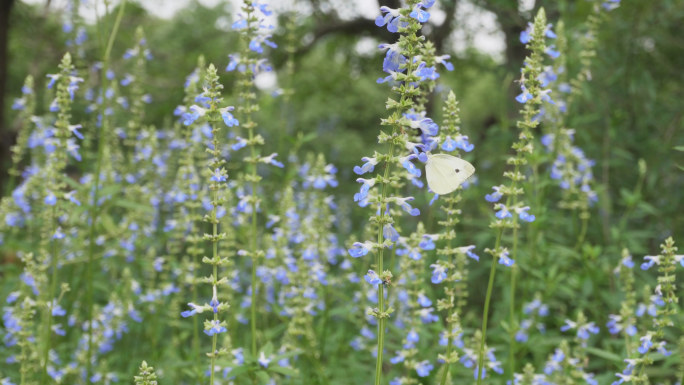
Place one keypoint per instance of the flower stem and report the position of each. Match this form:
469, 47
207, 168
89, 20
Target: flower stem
379, 266
512, 320
485, 316
94, 212
50, 304
253, 239
214, 338
450, 340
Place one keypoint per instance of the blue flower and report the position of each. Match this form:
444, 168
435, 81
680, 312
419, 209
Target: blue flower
400, 357
50, 199
215, 327
19, 104
240, 143
468, 251
372, 278
427, 242
389, 232
72, 149
58, 233
545, 96
74, 130
444, 61
524, 96
12, 297
552, 52
360, 249
583, 332
461, 141
426, 73
57, 311
409, 166
646, 343
366, 167
365, 188
439, 273
503, 211
239, 24
504, 259
424, 368
403, 202
610, 5
366, 332
228, 118
652, 260
190, 117
495, 196
53, 79
419, 14
218, 176
423, 300
426, 125
390, 17
272, 160
524, 215
195, 309
426, 315
263, 360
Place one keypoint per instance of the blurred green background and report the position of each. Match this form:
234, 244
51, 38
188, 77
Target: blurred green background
631, 110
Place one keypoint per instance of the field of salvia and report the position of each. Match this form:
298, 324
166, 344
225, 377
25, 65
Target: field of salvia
187, 252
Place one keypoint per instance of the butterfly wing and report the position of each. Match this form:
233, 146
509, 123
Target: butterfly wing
445, 173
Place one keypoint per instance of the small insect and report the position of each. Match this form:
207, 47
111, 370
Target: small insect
445, 173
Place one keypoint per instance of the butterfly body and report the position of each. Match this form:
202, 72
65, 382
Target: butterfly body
445, 173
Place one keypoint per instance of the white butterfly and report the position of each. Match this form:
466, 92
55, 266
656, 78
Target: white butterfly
445, 173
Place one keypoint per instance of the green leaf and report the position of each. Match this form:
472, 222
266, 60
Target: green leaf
267, 349
284, 371
124, 203
238, 370
679, 148
263, 377
107, 223
604, 354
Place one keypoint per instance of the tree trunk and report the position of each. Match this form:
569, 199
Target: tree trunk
5, 135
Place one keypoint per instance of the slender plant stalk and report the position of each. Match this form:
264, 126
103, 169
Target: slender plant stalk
512, 319
254, 241
485, 316
379, 262
94, 212
490, 285
51, 296
214, 338
450, 340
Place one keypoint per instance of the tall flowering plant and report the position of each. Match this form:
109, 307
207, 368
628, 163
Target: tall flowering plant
408, 137
215, 116
513, 209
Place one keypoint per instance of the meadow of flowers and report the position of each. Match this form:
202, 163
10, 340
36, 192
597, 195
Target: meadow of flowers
188, 252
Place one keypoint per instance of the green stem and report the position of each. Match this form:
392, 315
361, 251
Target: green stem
513, 321
214, 338
450, 341
583, 231
94, 212
254, 243
195, 331
50, 304
485, 317
379, 266
445, 372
